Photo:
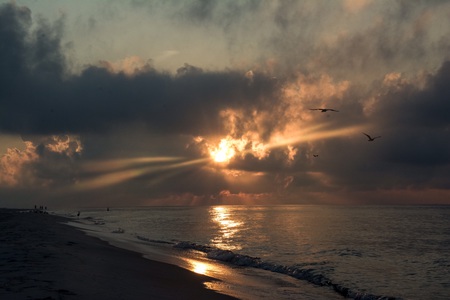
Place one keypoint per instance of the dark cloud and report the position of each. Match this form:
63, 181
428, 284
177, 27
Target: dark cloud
414, 149
41, 98
126, 116
202, 12
14, 24
113, 112
417, 122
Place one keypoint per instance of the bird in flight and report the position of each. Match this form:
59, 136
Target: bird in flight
370, 139
316, 155
324, 109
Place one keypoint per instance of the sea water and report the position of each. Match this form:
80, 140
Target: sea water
293, 251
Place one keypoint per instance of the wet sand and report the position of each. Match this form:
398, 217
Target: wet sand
41, 257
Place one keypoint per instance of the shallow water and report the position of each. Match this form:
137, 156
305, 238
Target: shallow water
292, 252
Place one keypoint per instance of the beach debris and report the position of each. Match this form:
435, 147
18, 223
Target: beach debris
118, 230
142, 238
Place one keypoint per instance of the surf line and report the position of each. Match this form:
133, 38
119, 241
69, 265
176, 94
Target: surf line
293, 271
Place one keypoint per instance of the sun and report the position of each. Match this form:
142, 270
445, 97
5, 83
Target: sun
224, 152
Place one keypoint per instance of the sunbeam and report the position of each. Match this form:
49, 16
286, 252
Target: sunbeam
117, 164
313, 135
113, 177
229, 148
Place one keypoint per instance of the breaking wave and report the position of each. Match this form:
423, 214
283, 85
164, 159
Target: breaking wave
293, 271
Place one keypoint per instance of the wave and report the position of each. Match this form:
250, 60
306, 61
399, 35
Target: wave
293, 271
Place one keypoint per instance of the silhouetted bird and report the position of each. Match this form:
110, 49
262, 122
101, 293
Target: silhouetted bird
370, 139
316, 155
324, 109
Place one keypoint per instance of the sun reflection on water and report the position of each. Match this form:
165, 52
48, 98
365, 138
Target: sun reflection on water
229, 227
199, 267
204, 267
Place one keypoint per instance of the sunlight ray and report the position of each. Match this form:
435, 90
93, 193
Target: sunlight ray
116, 177
312, 135
116, 164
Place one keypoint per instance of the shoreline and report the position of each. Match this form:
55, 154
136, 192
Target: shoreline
42, 257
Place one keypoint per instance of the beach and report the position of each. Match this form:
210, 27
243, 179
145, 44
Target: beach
41, 257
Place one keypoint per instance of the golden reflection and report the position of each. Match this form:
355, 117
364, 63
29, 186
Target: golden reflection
228, 228
199, 267
203, 267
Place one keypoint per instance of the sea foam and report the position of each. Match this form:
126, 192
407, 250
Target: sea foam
309, 274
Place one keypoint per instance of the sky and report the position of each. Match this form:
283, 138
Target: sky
129, 103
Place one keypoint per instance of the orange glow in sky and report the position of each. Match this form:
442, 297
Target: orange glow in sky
224, 152
229, 148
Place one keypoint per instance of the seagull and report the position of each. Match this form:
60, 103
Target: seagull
324, 109
370, 139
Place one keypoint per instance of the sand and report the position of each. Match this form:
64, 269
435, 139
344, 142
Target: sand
41, 257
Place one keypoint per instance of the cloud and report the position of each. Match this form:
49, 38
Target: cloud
355, 6
45, 162
418, 115
13, 162
386, 76
112, 94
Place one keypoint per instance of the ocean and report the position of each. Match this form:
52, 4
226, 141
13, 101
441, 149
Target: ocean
292, 251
